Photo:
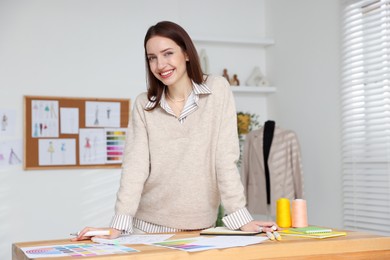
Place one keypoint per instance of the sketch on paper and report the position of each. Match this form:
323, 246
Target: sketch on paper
115, 140
8, 122
102, 114
10, 153
4, 122
44, 118
69, 120
92, 146
57, 151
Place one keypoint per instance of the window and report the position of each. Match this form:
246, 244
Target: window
365, 95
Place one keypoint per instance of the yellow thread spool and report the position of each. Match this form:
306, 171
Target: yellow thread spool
283, 213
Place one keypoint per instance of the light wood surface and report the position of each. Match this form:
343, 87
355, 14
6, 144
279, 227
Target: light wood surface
356, 245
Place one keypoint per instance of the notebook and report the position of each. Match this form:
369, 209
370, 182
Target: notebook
311, 230
288, 232
224, 231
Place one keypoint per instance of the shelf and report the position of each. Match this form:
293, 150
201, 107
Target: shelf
253, 89
259, 41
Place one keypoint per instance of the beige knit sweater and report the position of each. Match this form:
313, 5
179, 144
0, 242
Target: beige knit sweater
175, 174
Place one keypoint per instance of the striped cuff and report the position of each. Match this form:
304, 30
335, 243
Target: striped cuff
237, 219
123, 222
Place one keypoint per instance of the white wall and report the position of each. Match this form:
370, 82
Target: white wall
305, 66
84, 48
93, 48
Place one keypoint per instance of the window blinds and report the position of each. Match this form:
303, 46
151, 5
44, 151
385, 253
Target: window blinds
365, 95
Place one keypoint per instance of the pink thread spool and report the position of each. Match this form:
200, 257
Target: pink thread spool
299, 213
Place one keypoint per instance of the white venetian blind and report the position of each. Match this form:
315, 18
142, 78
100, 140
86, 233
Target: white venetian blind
365, 95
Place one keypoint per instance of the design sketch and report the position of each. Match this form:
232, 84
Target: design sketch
51, 151
91, 146
57, 151
87, 149
4, 122
108, 110
44, 117
14, 158
7, 122
10, 153
102, 114
63, 152
96, 122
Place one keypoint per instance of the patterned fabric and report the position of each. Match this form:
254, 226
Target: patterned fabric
191, 104
285, 169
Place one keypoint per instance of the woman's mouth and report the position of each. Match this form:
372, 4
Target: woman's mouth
166, 74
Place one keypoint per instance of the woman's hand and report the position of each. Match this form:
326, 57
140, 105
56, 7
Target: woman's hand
256, 226
114, 233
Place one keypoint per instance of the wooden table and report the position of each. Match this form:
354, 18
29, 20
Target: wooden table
356, 245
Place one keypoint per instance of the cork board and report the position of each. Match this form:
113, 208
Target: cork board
74, 133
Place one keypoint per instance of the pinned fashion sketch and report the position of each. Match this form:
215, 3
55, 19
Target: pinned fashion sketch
45, 122
102, 114
57, 151
92, 146
271, 168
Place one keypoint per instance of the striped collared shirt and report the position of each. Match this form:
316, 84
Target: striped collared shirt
126, 223
191, 104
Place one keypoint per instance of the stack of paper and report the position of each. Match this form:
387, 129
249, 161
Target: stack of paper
224, 231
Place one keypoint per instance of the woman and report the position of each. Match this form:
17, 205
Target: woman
182, 147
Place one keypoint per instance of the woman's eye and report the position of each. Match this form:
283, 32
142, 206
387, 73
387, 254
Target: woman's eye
168, 53
151, 58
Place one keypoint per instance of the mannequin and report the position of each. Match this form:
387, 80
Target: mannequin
277, 150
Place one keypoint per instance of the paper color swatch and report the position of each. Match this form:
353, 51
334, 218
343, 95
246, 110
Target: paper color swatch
115, 144
76, 250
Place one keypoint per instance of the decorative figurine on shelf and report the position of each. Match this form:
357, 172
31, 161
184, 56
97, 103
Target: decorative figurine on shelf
226, 75
204, 61
256, 78
235, 81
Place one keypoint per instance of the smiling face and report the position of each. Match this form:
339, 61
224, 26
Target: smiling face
167, 61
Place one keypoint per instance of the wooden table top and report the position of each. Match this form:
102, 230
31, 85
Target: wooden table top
356, 245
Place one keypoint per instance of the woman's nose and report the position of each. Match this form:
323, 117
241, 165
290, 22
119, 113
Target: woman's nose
161, 63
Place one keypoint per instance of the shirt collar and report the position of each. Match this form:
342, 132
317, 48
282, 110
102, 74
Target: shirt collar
198, 89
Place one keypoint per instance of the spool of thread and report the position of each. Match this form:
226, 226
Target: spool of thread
299, 213
283, 213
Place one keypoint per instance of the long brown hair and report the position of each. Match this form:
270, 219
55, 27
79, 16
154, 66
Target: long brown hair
177, 34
